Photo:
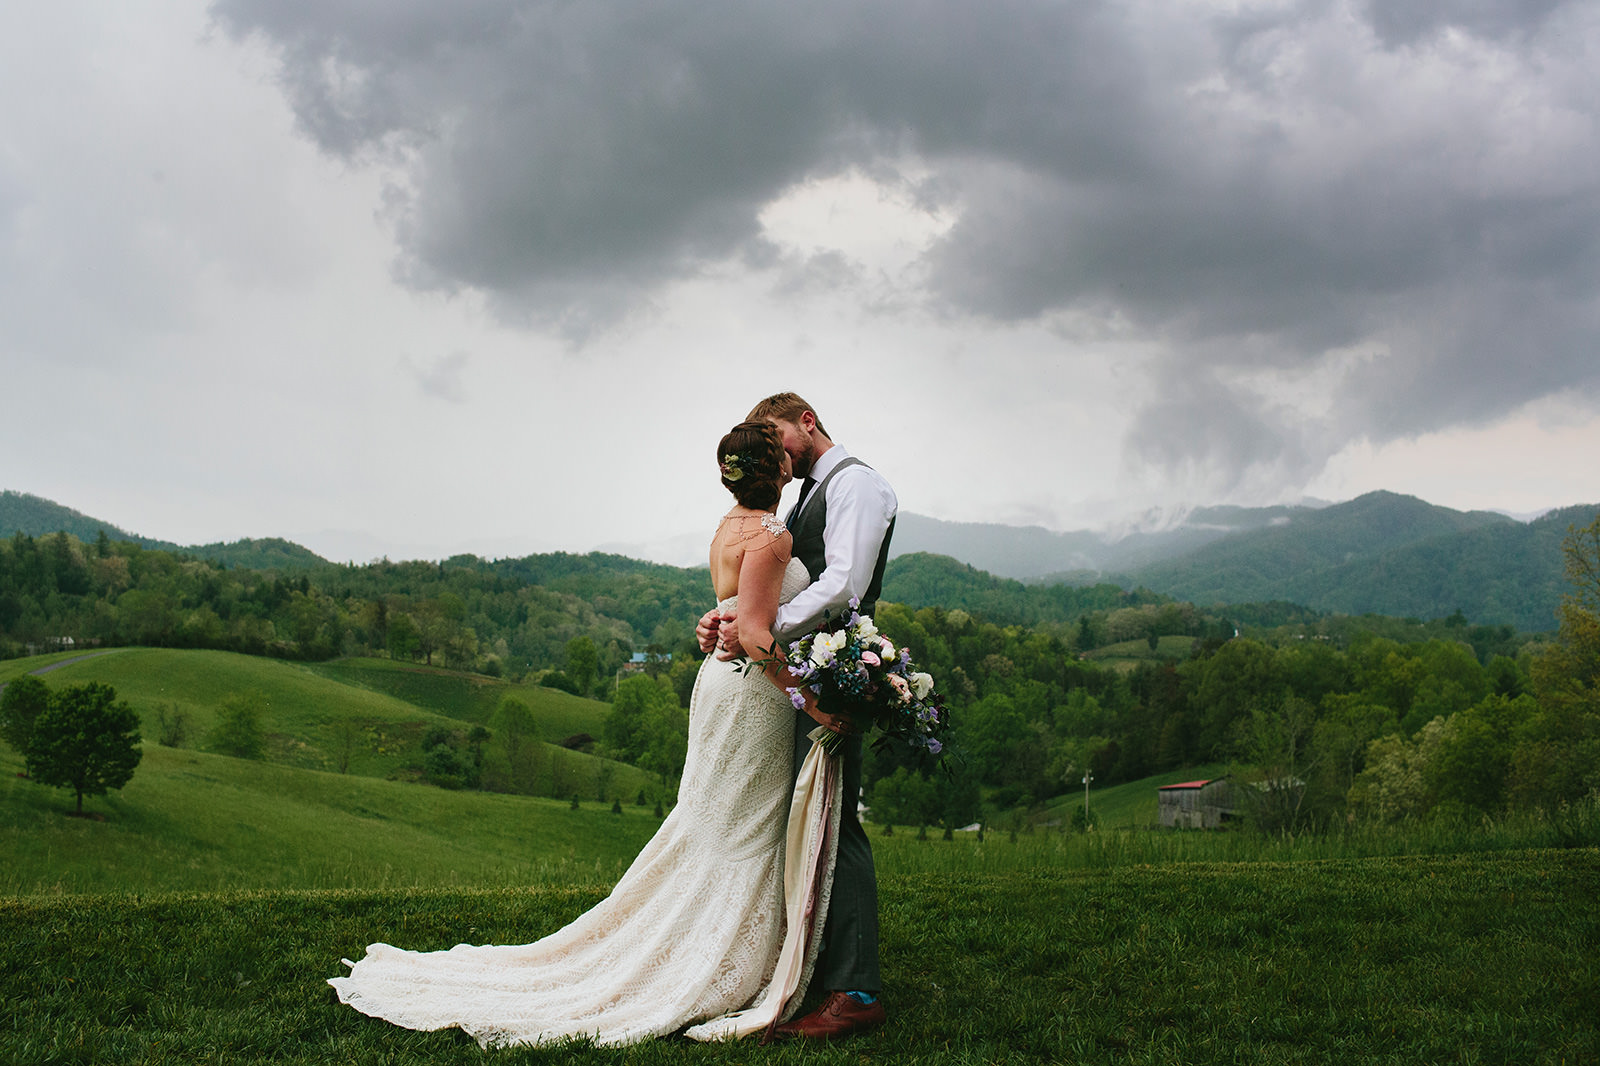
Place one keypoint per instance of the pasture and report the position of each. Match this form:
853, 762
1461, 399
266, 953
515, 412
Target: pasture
196, 919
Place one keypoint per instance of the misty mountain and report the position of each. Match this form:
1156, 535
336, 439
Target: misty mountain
1031, 553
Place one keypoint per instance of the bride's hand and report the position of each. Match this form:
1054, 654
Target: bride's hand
706, 632
728, 646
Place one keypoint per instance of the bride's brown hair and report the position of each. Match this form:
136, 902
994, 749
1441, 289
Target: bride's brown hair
751, 458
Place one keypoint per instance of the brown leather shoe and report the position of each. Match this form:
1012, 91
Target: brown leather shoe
840, 1015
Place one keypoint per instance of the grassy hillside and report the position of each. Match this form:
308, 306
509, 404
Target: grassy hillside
468, 697
193, 821
323, 716
1130, 805
1127, 654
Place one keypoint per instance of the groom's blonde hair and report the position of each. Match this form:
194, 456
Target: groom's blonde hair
787, 407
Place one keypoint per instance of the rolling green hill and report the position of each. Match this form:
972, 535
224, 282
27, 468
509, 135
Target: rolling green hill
467, 697
193, 821
324, 716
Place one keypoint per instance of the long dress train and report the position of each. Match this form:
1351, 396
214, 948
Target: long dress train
704, 927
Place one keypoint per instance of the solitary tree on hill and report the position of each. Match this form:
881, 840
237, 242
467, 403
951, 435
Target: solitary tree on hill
86, 740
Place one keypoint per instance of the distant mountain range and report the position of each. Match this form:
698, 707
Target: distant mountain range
1382, 553
1033, 553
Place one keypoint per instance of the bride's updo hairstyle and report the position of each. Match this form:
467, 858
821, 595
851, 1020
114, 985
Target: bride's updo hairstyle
751, 458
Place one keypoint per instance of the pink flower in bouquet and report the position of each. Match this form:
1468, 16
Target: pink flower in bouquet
871, 658
901, 686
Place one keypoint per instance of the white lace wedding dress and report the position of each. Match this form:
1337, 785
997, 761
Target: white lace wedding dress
701, 925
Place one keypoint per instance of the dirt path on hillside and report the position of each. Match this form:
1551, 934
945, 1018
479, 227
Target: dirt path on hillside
65, 662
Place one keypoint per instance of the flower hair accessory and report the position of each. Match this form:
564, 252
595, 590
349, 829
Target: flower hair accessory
735, 466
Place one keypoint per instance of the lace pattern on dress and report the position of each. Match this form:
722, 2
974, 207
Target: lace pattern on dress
689, 933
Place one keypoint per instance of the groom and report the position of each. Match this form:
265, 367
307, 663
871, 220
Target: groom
841, 527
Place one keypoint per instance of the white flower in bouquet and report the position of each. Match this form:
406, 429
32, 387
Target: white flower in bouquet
922, 684
826, 646
865, 630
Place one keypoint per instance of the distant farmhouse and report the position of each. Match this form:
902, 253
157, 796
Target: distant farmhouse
1196, 804
643, 661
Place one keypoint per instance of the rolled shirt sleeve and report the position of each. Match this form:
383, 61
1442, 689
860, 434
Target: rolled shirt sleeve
860, 507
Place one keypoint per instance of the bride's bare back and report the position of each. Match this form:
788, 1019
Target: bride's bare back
755, 534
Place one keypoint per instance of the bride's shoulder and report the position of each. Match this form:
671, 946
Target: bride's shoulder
766, 533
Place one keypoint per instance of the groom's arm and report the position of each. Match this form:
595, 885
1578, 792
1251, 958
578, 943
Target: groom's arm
860, 507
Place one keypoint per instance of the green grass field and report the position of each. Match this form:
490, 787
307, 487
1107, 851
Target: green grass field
1473, 959
196, 918
1128, 654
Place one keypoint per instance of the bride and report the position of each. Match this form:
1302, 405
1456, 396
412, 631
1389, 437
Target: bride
713, 926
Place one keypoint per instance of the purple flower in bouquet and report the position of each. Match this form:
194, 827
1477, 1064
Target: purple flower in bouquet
858, 672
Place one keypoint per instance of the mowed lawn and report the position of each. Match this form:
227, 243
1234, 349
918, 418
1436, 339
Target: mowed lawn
1470, 959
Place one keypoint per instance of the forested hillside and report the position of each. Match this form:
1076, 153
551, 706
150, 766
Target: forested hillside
1044, 683
34, 516
1385, 554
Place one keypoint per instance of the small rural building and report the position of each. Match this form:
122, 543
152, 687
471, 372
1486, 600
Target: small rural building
1195, 804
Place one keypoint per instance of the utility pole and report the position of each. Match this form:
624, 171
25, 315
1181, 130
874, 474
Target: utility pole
1087, 777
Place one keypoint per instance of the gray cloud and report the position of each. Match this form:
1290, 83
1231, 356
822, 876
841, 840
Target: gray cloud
1251, 189
441, 378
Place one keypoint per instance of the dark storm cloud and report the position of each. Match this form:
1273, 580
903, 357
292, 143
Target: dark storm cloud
1252, 188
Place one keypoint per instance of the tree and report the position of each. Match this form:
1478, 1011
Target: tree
22, 702
647, 727
905, 797
1558, 755
514, 724
238, 730
86, 740
403, 638
582, 659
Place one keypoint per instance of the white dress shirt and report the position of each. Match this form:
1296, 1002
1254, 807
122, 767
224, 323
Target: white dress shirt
860, 507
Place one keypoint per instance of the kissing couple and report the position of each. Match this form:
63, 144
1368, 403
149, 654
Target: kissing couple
760, 883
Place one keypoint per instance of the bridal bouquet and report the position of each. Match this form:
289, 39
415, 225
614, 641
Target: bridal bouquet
859, 671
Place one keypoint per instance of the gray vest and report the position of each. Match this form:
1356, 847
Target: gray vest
808, 521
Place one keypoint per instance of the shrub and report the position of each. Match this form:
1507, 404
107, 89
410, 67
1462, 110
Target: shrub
238, 731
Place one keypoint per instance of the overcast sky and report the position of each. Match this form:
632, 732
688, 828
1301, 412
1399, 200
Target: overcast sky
415, 278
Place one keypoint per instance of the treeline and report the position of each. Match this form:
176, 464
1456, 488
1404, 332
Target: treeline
509, 618
1322, 720
1368, 716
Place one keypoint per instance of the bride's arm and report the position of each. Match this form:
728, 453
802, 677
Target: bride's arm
760, 588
